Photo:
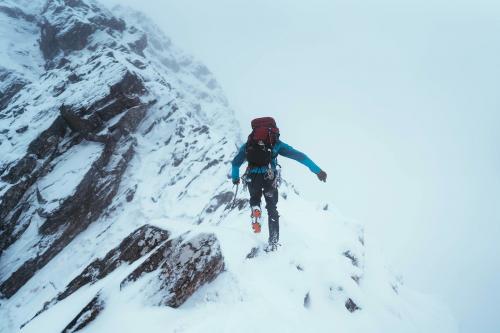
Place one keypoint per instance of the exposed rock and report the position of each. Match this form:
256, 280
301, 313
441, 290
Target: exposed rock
97, 78
68, 24
241, 203
307, 300
22, 175
80, 120
73, 78
112, 22
139, 45
10, 85
13, 227
131, 193
352, 257
254, 252
91, 198
122, 95
75, 38
351, 306
201, 130
210, 164
129, 122
22, 168
178, 268
47, 141
218, 200
94, 193
134, 246
22, 129
16, 13
395, 288
86, 316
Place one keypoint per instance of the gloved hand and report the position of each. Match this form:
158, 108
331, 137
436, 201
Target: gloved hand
236, 181
321, 176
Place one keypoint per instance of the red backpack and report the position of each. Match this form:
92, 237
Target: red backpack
260, 143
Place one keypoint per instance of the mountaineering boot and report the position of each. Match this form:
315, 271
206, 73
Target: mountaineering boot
273, 243
272, 246
256, 214
274, 231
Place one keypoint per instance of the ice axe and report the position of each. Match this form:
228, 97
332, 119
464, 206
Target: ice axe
235, 194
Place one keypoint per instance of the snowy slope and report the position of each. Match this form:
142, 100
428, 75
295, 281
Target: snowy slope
116, 207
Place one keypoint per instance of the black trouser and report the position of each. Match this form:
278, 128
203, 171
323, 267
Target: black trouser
258, 185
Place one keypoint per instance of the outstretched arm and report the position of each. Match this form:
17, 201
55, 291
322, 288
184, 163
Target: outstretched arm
290, 152
237, 162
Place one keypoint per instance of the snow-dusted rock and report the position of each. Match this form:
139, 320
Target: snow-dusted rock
177, 269
135, 246
132, 248
86, 316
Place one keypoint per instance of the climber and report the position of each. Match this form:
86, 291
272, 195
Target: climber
262, 175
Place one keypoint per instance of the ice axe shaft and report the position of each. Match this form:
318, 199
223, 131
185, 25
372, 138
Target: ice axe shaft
235, 194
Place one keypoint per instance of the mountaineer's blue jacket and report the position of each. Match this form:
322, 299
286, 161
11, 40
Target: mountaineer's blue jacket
280, 148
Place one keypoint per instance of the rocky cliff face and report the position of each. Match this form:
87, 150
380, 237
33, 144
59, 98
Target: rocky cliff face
115, 150
88, 97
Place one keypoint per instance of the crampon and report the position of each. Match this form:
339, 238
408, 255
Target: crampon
256, 214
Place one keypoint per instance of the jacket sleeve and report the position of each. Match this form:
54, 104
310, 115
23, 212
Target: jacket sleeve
290, 152
238, 160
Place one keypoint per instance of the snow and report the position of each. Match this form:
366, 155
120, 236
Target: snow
24, 248
17, 51
28, 6
181, 163
69, 170
266, 293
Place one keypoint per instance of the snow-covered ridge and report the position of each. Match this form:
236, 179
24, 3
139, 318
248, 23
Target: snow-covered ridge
114, 197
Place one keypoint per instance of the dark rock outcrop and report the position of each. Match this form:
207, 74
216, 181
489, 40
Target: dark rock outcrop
136, 245
123, 95
73, 39
86, 316
69, 137
25, 172
22, 175
24, 167
307, 300
352, 257
133, 247
92, 196
178, 268
15, 12
68, 24
47, 142
139, 45
351, 306
254, 252
81, 120
10, 85
218, 200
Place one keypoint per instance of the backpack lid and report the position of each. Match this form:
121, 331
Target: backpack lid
268, 122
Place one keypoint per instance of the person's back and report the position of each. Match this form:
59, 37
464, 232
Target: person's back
262, 175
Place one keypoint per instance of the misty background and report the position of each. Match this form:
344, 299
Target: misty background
398, 101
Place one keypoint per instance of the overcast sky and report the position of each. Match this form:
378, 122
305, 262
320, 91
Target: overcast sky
398, 101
